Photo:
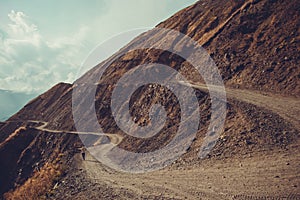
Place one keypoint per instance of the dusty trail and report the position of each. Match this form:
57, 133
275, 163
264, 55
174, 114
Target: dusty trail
115, 139
287, 107
262, 176
232, 179
102, 149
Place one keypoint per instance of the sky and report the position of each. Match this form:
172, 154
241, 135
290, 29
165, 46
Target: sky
44, 42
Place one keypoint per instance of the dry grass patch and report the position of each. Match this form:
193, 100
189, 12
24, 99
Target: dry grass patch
40, 183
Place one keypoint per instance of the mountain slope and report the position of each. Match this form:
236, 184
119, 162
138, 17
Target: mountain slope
255, 45
247, 67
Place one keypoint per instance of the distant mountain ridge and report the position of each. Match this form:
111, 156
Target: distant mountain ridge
11, 102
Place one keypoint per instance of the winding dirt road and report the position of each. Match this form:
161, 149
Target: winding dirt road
287, 107
265, 175
251, 178
115, 139
102, 149
260, 176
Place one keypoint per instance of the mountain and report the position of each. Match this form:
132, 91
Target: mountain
255, 45
11, 102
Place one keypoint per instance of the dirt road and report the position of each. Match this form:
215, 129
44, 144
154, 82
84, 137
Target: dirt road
287, 107
102, 149
266, 175
257, 177
115, 139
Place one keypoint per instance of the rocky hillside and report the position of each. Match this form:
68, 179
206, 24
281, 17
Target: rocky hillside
255, 45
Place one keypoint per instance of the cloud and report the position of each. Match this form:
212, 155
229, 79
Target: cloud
22, 30
36, 55
33, 63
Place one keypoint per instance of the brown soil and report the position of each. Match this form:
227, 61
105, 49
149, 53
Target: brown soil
255, 45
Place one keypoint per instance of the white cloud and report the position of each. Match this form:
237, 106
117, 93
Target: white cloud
69, 41
33, 63
21, 31
33, 58
19, 26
